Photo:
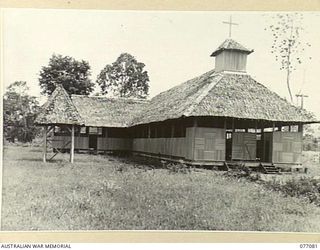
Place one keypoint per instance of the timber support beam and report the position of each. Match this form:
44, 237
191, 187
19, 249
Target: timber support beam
72, 145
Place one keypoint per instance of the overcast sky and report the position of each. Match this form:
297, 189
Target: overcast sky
175, 46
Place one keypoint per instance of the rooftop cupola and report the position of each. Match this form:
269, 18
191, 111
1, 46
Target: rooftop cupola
231, 56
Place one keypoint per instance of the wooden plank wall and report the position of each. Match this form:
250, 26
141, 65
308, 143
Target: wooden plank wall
164, 146
244, 146
209, 144
287, 147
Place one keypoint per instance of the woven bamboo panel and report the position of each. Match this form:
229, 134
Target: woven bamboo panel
244, 146
79, 142
163, 146
209, 144
114, 143
287, 147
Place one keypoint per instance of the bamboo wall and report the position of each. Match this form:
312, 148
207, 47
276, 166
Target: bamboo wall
206, 144
200, 144
164, 146
114, 144
102, 143
287, 147
79, 142
244, 146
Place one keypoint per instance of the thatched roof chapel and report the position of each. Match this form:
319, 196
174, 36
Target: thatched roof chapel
226, 91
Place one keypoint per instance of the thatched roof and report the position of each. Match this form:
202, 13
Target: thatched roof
225, 95
59, 109
230, 44
107, 112
218, 94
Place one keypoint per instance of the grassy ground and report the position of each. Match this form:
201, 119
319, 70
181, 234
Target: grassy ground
103, 192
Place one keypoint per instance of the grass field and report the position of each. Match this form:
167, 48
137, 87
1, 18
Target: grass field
104, 192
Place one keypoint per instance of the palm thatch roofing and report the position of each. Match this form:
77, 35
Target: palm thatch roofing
59, 109
107, 112
230, 44
222, 94
214, 94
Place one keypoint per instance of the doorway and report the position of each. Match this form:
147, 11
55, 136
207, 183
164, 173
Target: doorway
93, 141
228, 146
264, 147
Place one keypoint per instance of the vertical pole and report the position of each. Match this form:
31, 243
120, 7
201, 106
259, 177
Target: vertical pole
172, 130
289, 128
233, 129
263, 142
255, 127
45, 144
273, 126
72, 144
300, 128
149, 131
195, 124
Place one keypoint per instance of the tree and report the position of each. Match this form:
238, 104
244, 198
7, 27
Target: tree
287, 45
19, 111
65, 70
125, 77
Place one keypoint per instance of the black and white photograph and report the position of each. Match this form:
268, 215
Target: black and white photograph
160, 120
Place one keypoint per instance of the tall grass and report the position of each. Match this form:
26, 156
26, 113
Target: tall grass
103, 192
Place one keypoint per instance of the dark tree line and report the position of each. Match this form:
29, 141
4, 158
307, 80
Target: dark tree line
125, 77
19, 112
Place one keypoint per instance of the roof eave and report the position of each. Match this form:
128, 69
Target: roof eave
217, 52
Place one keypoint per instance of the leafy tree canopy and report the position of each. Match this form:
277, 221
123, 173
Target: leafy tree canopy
19, 111
125, 77
65, 70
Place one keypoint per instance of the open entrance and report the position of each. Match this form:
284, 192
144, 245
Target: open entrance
94, 132
228, 146
264, 147
93, 139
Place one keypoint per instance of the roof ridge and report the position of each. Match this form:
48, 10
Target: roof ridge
203, 94
113, 98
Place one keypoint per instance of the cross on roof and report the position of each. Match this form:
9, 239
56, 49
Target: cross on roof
230, 24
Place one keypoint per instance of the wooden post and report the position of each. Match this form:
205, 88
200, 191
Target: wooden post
72, 144
273, 127
233, 129
149, 131
172, 130
195, 122
45, 144
289, 128
255, 126
263, 142
300, 128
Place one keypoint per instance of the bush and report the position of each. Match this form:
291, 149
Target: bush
304, 187
178, 168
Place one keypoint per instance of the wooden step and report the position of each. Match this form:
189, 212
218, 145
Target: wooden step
269, 168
